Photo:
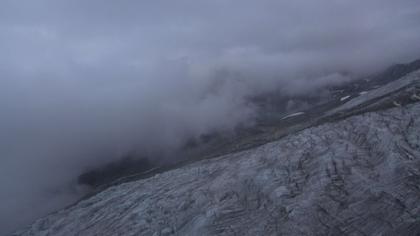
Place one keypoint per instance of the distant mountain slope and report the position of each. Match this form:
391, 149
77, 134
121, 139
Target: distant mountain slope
276, 118
354, 170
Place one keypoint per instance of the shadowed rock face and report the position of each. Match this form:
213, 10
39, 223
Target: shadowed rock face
357, 176
114, 170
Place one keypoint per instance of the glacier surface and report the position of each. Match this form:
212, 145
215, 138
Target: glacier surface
359, 175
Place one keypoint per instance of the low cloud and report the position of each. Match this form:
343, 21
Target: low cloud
84, 82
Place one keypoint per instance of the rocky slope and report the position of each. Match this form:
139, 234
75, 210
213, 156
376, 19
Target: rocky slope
356, 174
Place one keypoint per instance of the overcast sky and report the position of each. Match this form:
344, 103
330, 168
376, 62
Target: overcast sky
82, 81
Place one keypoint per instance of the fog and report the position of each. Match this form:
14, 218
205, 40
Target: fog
83, 82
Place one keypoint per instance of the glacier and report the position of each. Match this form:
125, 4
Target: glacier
356, 174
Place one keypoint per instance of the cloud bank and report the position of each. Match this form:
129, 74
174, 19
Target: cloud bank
82, 82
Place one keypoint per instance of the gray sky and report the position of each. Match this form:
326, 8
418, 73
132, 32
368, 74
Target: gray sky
83, 81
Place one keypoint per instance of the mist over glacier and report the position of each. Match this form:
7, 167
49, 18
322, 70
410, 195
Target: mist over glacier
83, 82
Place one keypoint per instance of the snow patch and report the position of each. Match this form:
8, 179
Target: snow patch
293, 115
344, 98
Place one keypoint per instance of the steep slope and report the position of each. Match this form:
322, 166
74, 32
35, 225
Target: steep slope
275, 119
351, 175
